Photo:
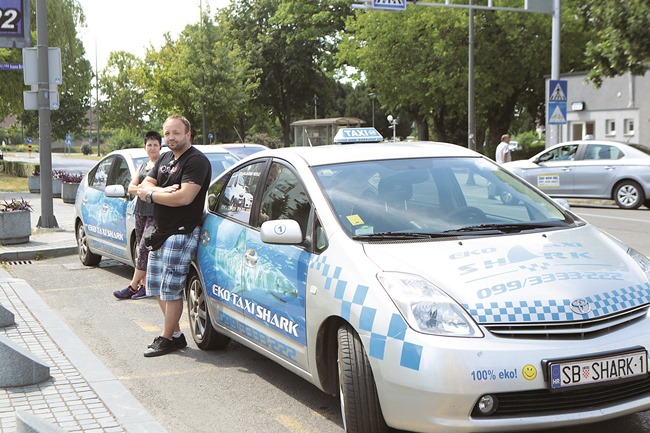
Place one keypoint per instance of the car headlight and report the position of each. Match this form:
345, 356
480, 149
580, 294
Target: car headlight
426, 308
641, 260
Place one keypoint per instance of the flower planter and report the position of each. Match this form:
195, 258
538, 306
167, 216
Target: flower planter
69, 192
57, 184
15, 227
34, 183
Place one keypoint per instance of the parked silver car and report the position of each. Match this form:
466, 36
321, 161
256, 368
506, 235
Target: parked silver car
590, 169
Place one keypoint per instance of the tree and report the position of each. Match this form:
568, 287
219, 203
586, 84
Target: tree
416, 61
63, 18
622, 39
124, 106
202, 70
288, 45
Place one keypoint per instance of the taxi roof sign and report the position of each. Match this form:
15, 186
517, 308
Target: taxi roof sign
358, 135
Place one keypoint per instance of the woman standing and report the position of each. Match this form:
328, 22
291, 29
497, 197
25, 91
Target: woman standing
143, 218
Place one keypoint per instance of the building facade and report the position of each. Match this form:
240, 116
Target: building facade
619, 110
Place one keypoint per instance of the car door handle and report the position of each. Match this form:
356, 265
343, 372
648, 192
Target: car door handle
250, 257
567, 169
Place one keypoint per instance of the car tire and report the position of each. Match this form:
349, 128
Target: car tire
204, 335
360, 407
628, 195
647, 203
86, 256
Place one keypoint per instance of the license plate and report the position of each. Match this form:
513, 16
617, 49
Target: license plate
569, 373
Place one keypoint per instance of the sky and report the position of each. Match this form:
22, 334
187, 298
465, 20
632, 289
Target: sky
132, 25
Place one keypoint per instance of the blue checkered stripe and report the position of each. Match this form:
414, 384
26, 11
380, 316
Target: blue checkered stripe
352, 298
554, 311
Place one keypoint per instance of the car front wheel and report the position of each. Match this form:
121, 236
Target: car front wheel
357, 390
87, 257
628, 195
205, 336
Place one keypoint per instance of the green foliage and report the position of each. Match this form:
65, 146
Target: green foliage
17, 168
265, 139
622, 39
124, 139
63, 17
126, 107
287, 45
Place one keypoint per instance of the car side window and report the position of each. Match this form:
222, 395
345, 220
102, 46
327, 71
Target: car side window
99, 178
236, 196
284, 197
562, 153
602, 151
121, 174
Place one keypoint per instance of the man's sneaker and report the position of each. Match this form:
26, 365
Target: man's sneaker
141, 293
179, 342
125, 293
160, 346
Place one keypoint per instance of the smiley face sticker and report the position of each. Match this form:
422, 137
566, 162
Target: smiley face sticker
529, 372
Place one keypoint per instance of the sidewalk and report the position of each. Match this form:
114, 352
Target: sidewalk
81, 395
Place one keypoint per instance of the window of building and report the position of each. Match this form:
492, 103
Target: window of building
628, 126
610, 127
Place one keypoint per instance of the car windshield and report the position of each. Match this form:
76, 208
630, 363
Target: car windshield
220, 162
431, 197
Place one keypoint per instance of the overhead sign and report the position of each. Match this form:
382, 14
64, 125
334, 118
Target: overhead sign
357, 135
557, 101
15, 29
395, 5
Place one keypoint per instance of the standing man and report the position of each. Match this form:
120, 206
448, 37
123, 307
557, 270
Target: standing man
177, 185
503, 151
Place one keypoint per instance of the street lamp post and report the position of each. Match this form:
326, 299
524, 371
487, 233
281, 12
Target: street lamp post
372, 102
393, 125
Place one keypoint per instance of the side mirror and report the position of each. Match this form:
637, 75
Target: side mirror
116, 191
286, 232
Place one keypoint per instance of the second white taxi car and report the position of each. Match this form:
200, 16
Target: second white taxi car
104, 223
383, 274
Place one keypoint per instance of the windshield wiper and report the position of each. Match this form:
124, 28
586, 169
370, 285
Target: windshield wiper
504, 228
400, 236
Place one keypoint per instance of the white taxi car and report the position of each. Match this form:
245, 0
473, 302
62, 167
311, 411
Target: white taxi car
104, 223
383, 274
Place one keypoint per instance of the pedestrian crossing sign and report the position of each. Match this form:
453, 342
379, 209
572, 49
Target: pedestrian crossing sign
394, 5
557, 100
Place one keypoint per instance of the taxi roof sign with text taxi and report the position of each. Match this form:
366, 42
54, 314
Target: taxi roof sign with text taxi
358, 135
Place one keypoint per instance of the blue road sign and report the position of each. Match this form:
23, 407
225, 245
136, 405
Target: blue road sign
11, 67
557, 99
394, 5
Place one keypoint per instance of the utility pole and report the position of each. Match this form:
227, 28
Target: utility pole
203, 127
47, 219
471, 102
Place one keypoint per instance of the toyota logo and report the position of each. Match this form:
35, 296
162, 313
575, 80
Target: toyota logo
580, 306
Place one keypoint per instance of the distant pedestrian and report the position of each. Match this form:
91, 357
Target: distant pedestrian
503, 150
502, 155
177, 185
143, 218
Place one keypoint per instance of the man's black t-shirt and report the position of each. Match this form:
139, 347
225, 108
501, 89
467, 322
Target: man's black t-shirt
192, 167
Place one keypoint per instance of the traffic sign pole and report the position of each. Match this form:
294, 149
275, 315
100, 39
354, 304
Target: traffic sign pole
47, 219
